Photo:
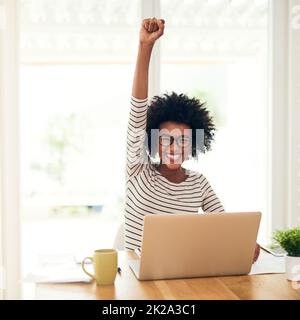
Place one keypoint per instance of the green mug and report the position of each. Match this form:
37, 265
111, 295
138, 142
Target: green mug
105, 263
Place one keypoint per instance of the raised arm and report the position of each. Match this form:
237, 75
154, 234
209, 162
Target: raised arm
151, 30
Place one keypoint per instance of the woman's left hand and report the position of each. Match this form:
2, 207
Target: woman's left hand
256, 252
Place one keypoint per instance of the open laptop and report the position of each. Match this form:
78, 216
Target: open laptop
196, 245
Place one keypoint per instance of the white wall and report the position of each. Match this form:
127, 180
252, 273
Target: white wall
9, 151
2, 23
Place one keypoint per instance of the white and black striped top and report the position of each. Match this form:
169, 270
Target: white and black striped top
148, 192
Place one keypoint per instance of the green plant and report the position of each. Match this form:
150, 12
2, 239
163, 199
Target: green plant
289, 240
62, 137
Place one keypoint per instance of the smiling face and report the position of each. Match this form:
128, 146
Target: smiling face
175, 144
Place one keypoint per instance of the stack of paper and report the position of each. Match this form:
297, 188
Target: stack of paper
268, 263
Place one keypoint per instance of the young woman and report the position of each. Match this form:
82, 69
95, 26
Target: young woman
169, 126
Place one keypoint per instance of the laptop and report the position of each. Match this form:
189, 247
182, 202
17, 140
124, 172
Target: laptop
196, 245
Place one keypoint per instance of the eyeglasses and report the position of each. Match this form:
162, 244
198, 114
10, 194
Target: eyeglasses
181, 141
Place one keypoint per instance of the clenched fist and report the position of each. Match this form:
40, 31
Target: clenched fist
151, 30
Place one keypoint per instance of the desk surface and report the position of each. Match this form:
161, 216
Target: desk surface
270, 286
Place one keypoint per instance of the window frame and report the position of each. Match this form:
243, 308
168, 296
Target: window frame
278, 124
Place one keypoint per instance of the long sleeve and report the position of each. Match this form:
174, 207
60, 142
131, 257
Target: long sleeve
136, 131
210, 202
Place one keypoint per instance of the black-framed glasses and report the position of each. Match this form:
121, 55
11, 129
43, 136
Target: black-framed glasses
166, 140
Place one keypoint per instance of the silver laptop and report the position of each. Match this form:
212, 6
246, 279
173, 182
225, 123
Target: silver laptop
196, 245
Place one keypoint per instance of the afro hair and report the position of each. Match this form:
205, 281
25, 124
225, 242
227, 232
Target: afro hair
179, 108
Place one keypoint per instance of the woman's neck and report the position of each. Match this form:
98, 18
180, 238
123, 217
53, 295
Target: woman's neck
176, 176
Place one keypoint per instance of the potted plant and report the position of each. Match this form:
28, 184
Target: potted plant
289, 240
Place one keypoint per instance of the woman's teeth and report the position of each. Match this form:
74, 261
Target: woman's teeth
173, 157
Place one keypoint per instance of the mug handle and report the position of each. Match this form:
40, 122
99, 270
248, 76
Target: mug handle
83, 268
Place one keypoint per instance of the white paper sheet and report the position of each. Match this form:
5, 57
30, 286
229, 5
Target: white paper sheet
58, 268
58, 276
268, 263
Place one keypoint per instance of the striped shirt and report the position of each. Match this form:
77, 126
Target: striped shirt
149, 192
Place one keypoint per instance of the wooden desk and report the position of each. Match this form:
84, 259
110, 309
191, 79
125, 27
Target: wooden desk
271, 286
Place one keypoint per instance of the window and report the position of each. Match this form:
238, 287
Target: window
76, 75
217, 50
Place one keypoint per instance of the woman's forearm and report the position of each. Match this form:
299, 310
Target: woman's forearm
140, 81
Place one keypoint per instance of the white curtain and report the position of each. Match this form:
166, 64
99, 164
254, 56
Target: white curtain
9, 152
